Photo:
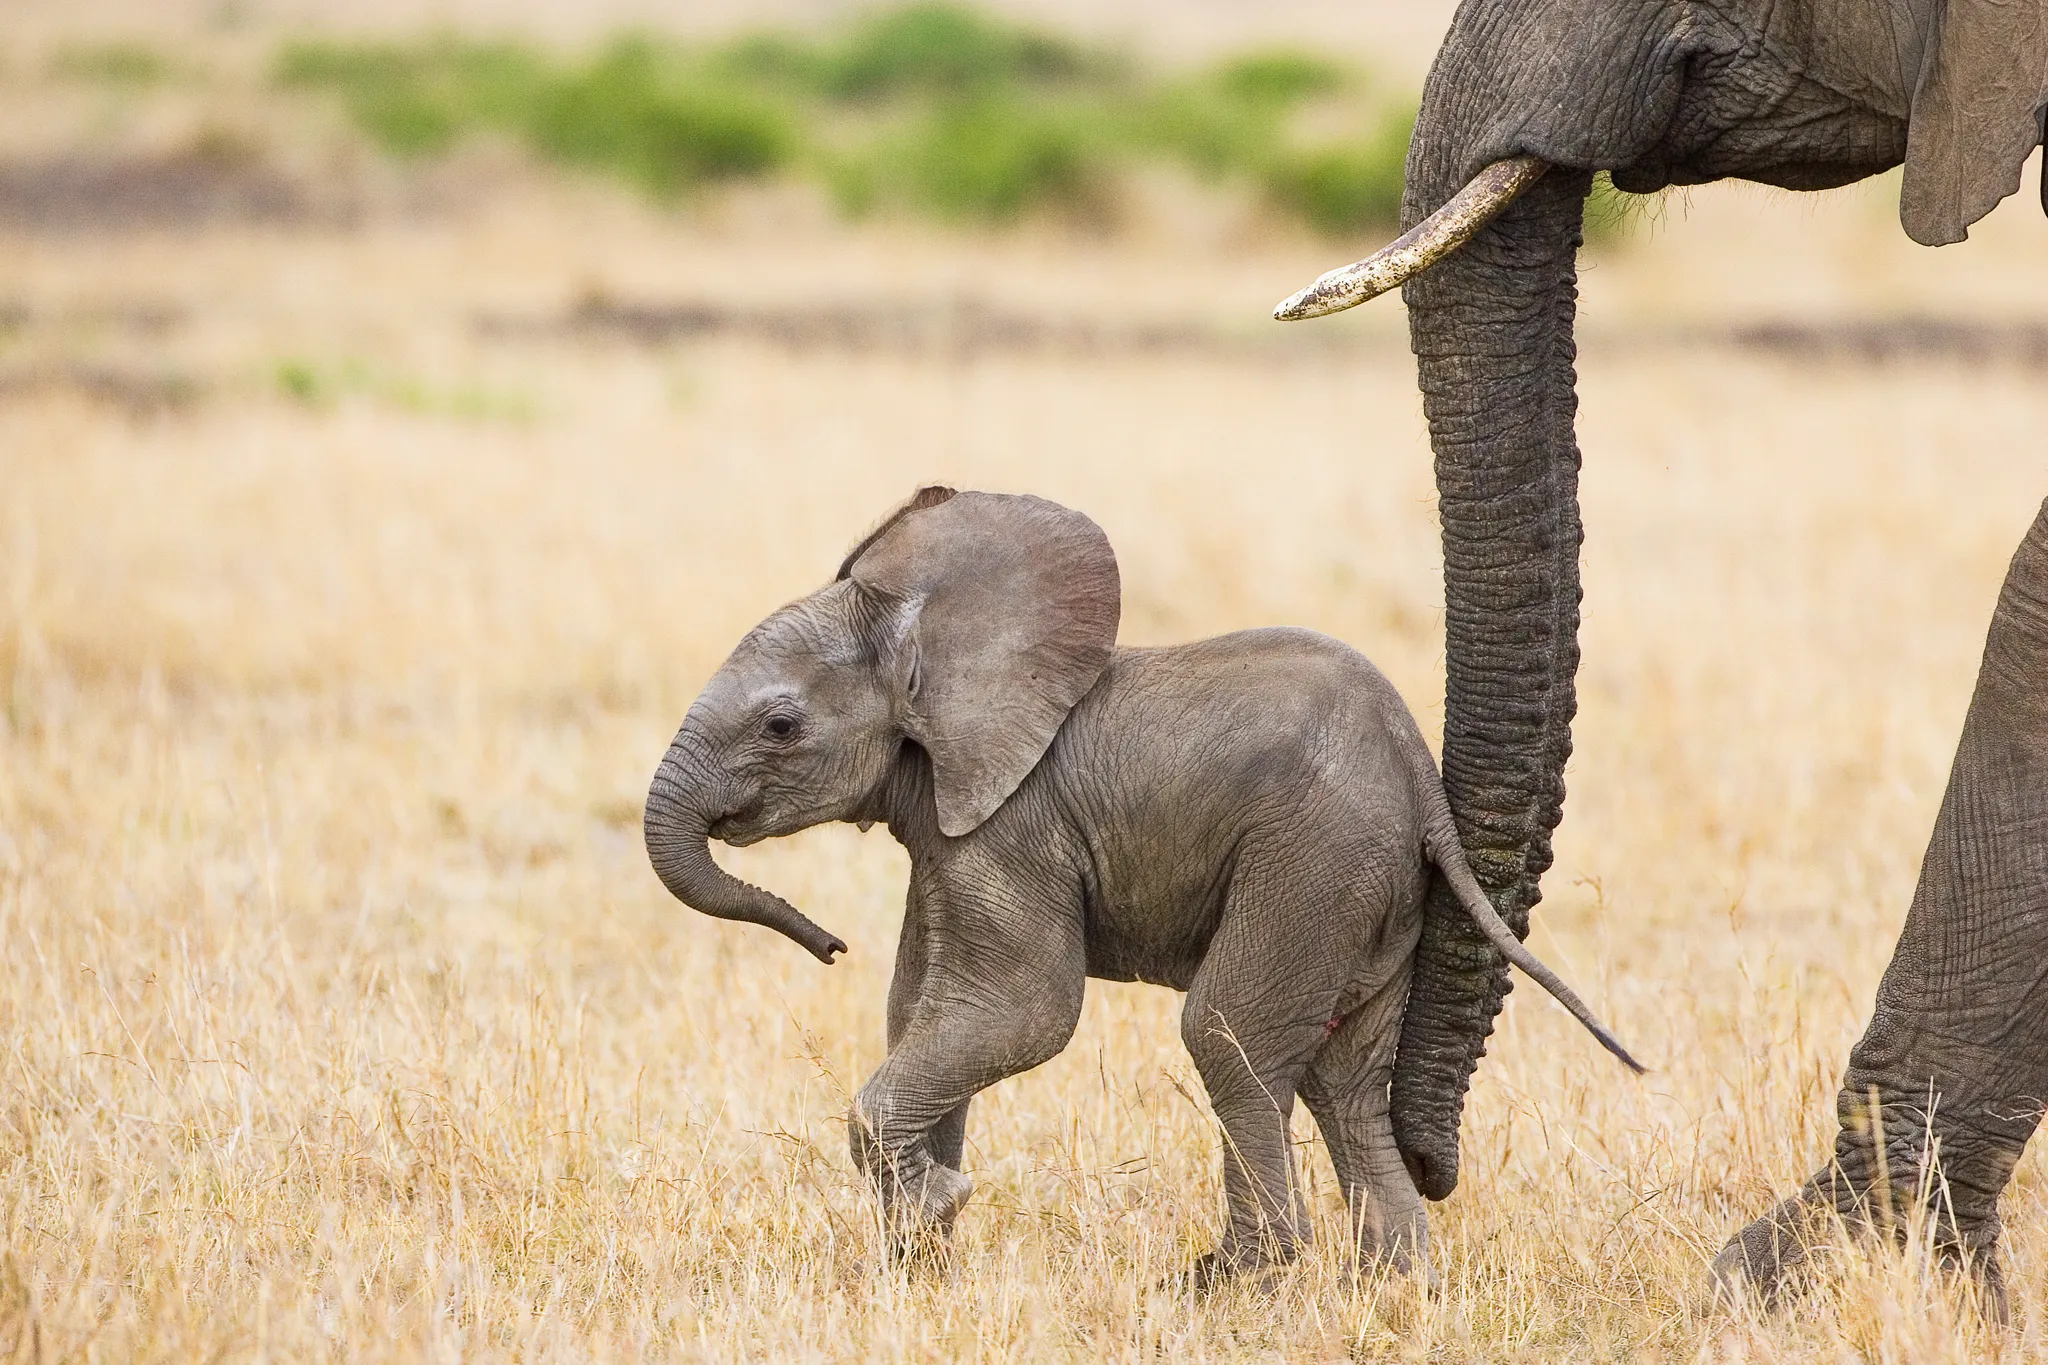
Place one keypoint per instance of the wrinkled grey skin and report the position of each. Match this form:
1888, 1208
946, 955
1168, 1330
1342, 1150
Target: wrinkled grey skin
1803, 94
1249, 819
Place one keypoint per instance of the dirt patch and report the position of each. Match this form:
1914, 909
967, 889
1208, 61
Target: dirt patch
965, 327
943, 327
1901, 339
184, 190
138, 393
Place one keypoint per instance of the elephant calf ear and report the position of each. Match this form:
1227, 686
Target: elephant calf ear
931, 495
1009, 606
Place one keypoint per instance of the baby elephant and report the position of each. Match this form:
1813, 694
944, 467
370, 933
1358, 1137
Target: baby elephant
1250, 819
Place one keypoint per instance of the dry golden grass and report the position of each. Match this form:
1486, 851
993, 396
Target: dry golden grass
340, 1017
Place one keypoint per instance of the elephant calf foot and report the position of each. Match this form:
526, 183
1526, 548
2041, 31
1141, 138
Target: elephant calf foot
1398, 1260
930, 1199
920, 1198
918, 1214
918, 1209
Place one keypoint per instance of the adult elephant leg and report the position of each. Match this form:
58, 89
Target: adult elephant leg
1949, 1080
1492, 332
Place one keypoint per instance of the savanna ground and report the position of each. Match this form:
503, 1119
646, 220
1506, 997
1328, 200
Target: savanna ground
348, 596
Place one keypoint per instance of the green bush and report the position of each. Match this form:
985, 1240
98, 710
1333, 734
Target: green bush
665, 127
781, 62
1278, 79
1235, 121
1348, 188
1232, 120
121, 63
1215, 138
947, 50
418, 100
935, 107
637, 109
990, 159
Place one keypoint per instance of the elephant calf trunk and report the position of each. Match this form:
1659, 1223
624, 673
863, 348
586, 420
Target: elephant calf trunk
678, 834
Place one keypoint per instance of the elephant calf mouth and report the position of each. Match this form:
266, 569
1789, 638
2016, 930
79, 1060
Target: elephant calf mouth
734, 827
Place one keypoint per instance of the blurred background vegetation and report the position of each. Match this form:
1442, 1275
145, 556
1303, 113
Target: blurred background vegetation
939, 111
934, 109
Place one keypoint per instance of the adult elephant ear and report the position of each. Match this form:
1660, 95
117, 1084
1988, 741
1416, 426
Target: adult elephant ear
999, 613
1977, 110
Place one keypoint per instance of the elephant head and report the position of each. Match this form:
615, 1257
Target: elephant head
968, 624
1527, 99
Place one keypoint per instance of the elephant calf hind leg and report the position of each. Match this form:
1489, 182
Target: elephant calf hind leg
1254, 1019
1346, 1089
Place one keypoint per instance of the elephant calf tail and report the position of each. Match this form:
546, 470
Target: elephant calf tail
1440, 840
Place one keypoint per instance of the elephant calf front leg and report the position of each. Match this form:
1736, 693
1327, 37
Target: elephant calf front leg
979, 1020
947, 1140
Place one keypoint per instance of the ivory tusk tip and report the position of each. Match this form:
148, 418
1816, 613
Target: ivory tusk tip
1321, 299
1293, 308
1421, 247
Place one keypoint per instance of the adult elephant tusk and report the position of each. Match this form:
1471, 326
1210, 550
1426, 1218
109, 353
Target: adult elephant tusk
1422, 246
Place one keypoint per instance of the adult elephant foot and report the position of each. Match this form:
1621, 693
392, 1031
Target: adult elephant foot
1766, 1259
1950, 1078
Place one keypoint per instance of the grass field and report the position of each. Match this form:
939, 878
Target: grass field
341, 1018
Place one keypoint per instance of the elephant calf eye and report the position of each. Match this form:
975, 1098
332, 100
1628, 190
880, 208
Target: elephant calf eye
782, 727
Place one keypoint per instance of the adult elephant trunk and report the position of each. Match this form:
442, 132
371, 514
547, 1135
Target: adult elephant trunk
1491, 326
686, 800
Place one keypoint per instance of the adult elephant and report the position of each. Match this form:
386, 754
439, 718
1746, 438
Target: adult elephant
1526, 100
